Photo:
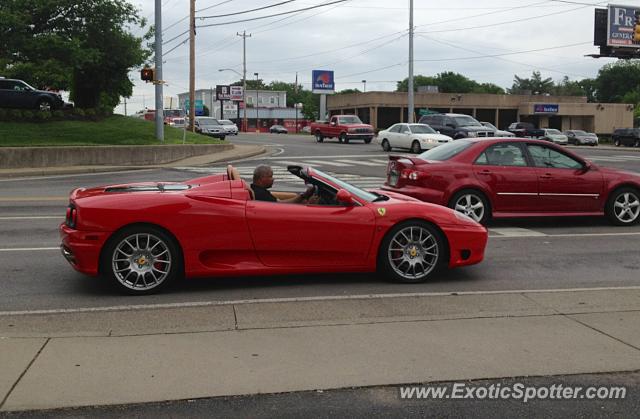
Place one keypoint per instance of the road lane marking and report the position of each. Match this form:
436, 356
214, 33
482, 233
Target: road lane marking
328, 163
304, 299
361, 162
516, 232
20, 179
29, 249
32, 198
37, 217
549, 236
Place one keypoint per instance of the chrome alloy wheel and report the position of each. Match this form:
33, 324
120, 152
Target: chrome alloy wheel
141, 261
470, 205
626, 207
413, 252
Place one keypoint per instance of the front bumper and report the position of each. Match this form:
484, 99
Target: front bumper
82, 248
466, 245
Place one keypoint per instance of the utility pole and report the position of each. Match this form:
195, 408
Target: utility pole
411, 105
192, 64
244, 74
158, 82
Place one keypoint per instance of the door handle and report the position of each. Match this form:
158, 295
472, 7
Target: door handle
546, 176
485, 172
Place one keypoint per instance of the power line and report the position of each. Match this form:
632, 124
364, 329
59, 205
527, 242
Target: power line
249, 10
273, 15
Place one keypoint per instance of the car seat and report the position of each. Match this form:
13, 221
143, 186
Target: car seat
508, 158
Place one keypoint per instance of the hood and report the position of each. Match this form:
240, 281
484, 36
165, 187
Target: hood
437, 137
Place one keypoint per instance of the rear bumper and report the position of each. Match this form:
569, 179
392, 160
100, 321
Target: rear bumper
82, 248
419, 192
359, 136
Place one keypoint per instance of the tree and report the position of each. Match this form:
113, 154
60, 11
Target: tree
83, 47
566, 87
450, 82
536, 84
617, 80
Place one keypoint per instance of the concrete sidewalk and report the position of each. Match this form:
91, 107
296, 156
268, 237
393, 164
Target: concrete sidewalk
118, 355
238, 152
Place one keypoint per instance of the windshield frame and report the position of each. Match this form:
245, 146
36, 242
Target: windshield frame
426, 127
462, 119
358, 193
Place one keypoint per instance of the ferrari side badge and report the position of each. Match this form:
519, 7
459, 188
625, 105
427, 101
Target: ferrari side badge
382, 211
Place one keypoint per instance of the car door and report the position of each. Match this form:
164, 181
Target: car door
513, 182
563, 182
404, 136
300, 235
448, 126
392, 135
9, 95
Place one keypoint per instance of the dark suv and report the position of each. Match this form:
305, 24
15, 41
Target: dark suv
456, 125
18, 94
626, 136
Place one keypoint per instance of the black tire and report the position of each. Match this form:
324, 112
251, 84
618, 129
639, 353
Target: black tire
616, 142
319, 137
368, 140
469, 198
623, 206
122, 272
415, 147
416, 243
343, 138
44, 105
637, 143
385, 145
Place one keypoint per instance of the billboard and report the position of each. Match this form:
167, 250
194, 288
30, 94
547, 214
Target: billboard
229, 93
322, 82
620, 26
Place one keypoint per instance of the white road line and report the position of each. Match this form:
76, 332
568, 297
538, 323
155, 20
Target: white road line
20, 179
39, 217
515, 232
328, 163
550, 236
360, 162
304, 299
29, 249
385, 162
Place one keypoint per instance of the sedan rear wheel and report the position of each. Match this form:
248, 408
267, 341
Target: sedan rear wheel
412, 251
44, 105
623, 207
616, 143
141, 260
385, 145
472, 204
415, 147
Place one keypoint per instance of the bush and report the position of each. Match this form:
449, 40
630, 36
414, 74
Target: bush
90, 112
28, 115
3, 114
78, 111
58, 114
42, 115
15, 115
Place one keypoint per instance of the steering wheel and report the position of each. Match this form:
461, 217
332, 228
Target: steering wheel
310, 191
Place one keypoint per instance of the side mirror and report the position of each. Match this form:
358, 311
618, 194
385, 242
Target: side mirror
344, 197
587, 166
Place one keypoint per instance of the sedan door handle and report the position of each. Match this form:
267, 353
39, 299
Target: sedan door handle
485, 172
546, 176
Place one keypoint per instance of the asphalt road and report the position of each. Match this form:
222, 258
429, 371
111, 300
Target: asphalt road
522, 254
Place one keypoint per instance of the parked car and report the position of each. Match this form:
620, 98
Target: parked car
206, 125
525, 130
142, 236
579, 137
503, 178
626, 136
498, 132
343, 127
171, 115
278, 129
16, 93
177, 122
415, 137
306, 129
456, 125
229, 126
555, 136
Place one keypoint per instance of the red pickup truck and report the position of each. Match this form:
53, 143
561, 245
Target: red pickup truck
343, 127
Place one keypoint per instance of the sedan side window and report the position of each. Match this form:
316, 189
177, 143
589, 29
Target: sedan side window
502, 155
405, 129
547, 157
395, 128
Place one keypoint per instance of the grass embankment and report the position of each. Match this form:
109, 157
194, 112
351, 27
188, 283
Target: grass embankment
114, 130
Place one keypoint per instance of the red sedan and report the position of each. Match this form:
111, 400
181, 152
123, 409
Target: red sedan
506, 177
143, 236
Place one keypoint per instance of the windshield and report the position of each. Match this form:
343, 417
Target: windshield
225, 122
362, 194
553, 132
445, 151
208, 121
466, 121
579, 132
489, 125
422, 129
349, 120
173, 112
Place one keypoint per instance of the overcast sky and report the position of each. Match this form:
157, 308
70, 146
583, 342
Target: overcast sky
486, 41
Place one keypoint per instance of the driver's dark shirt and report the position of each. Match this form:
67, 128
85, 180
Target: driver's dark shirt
262, 194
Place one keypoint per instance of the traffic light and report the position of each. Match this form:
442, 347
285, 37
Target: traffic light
636, 27
147, 74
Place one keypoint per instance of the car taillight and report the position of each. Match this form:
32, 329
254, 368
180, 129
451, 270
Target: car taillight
71, 217
412, 174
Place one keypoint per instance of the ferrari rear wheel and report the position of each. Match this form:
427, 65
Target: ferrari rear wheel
141, 260
412, 251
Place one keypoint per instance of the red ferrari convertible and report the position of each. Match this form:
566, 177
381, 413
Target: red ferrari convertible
507, 177
142, 236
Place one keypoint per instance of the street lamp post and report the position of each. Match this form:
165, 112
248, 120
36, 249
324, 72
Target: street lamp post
364, 85
257, 103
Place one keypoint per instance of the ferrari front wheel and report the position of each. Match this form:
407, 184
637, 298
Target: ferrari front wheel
412, 251
141, 260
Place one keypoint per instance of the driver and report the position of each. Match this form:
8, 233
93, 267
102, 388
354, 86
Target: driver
263, 180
